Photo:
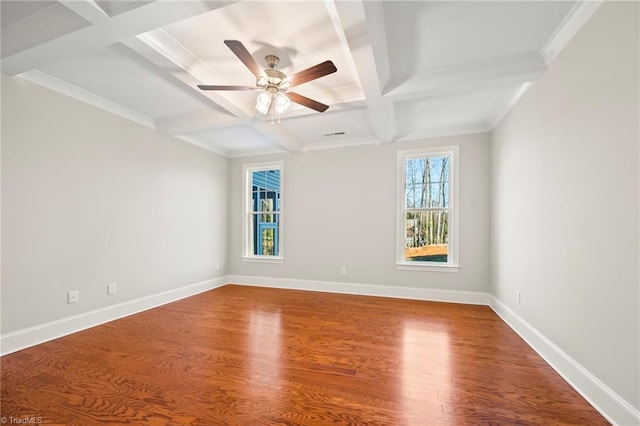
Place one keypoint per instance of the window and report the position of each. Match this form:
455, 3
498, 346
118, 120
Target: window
263, 207
427, 209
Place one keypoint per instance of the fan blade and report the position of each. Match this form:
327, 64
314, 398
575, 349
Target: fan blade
309, 103
243, 54
210, 87
312, 73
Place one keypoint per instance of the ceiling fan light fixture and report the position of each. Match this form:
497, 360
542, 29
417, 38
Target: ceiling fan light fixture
285, 83
262, 82
281, 103
263, 102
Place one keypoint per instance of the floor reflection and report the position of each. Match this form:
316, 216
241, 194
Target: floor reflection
265, 349
425, 370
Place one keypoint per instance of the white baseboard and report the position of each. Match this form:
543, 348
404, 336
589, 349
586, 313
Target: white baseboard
21, 339
600, 396
435, 295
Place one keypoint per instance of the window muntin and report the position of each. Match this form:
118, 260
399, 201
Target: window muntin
427, 216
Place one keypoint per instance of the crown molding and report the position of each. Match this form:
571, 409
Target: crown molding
202, 144
575, 19
512, 98
75, 92
340, 143
436, 132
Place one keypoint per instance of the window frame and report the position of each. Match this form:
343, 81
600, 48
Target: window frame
453, 260
247, 222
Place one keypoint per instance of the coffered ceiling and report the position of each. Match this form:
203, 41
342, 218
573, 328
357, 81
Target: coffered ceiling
406, 70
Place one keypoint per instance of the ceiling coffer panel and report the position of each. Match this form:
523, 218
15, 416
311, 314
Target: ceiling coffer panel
329, 127
120, 75
26, 24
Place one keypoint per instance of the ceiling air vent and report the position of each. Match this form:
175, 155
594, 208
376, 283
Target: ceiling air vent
334, 134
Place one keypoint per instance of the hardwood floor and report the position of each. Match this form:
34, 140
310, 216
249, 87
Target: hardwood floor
254, 356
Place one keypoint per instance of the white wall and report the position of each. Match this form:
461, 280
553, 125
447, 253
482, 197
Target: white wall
565, 190
89, 198
340, 208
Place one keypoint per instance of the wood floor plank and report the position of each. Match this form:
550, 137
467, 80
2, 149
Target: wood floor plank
242, 355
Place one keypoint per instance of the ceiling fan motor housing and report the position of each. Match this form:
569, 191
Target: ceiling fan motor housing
272, 61
275, 80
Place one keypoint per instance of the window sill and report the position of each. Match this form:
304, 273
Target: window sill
430, 267
263, 259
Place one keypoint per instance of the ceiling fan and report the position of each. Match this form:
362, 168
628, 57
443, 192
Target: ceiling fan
275, 84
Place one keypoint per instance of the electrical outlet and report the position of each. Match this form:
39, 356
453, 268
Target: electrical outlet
343, 270
111, 288
72, 296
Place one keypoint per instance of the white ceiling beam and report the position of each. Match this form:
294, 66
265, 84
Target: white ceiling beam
507, 71
340, 143
90, 98
196, 122
87, 9
503, 108
383, 120
279, 135
374, 16
202, 144
434, 132
105, 32
362, 24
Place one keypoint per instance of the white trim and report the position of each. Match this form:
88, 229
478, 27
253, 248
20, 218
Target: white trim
453, 152
397, 292
201, 144
512, 98
247, 226
600, 396
502, 72
82, 95
263, 259
575, 19
253, 152
441, 131
428, 267
340, 143
21, 339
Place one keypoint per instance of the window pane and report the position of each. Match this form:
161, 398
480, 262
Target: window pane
427, 182
436, 195
268, 242
427, 236
266, 180
266, 232
414, 195
438, 168
266, 204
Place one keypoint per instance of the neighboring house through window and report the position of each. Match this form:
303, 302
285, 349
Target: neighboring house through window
427, 228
